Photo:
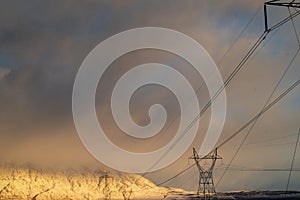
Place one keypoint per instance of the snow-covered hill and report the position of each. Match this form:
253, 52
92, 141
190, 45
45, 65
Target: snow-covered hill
28, 183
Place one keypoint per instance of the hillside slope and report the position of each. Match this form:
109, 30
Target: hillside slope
28, 183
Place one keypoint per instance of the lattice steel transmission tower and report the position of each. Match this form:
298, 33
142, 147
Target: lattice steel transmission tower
281, 3
206, 183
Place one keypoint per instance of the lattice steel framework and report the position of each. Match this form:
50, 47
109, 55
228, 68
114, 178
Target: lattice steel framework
283, 3
206, 183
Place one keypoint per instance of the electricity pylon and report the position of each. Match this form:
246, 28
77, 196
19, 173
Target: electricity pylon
281, 3
206, 183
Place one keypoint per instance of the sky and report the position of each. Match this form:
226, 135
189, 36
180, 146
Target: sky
42, 45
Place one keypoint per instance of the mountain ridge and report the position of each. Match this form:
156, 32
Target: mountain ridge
35, 184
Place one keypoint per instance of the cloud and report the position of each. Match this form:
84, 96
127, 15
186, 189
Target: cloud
4, 72
43, 45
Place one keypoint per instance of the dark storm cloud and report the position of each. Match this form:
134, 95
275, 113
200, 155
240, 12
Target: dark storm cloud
43, 44
43, 40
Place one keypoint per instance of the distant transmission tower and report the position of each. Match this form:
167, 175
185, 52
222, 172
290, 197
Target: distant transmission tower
206, 183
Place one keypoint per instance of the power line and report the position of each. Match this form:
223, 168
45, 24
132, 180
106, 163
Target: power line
265, 169
294, 27
233, 44
287, 91
203, 83
219, 91
256, 119
234, 73
241, 33
244, 168
282, 22
292, 163
278, 144
231, 76
181, 172
272, 139
263, 45
295, 84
